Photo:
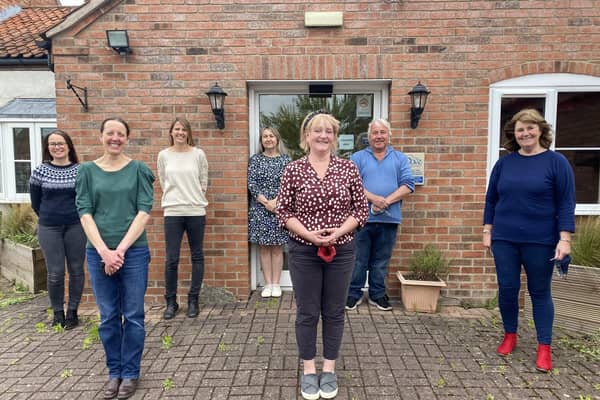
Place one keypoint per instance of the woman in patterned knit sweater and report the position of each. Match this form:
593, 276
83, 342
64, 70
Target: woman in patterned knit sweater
52, 191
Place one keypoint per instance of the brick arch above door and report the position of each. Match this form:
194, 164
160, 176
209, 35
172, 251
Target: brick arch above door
544, 67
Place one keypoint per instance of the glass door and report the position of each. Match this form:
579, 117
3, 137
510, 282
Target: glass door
284, 106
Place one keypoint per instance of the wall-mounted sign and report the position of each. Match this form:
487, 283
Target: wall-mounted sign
346, 142
417, 166
363, 106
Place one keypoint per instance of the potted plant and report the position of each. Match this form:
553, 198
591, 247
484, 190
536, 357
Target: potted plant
21, 259
577, 296
420, 287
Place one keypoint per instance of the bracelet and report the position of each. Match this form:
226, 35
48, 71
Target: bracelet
487, 231
564, 240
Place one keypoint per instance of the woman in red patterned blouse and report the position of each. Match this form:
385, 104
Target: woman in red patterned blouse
321, 202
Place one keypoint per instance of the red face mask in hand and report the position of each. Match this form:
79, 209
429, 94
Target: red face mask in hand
326, 253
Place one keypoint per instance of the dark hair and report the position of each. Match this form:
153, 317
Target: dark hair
72, 153
186, 125
118, 119
527, 115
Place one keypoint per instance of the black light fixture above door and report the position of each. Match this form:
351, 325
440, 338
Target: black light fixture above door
216, 96
118, 40
418, 99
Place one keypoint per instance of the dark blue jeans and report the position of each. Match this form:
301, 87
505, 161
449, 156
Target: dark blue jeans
374, 245
59, 243
174, 228
535, 258
320, 289
120, 299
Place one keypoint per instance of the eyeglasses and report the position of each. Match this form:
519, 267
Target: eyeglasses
56, 144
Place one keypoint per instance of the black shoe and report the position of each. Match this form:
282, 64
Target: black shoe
193, 310
171, 310
383, 303
59, 318
112, 388
352, 303
72, 320
127, 388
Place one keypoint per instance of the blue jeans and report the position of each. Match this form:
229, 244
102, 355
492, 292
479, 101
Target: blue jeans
374, 245
174, 228
59, 243
120, 299
535, 258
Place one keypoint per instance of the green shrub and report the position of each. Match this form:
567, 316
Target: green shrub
19, 224
585, 248
428, 264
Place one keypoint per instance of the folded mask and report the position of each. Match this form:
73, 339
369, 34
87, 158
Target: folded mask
326, 253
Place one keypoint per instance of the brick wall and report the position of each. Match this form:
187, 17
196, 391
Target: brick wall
456, 48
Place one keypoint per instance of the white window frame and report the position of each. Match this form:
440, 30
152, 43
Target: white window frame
537, 85
379, 87
8, 192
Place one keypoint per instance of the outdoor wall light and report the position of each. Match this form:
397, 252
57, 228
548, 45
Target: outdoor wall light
418, 99
118, 40
216, 96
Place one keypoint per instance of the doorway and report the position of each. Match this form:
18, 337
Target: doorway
284, 105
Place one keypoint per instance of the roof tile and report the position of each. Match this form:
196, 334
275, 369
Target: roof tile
19, 33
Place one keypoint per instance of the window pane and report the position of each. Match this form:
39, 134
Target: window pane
286, 112
586, 166
578, 120
22, 174
45, 132
512, 105
21, 144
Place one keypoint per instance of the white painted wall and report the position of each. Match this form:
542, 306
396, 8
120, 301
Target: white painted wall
26, 85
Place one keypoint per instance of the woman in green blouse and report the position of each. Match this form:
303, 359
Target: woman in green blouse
114, 199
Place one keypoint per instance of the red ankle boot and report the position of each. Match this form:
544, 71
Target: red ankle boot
508, 344
543, 361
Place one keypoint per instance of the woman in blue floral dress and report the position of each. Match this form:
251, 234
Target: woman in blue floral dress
264, 174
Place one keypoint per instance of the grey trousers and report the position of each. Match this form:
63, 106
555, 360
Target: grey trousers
321, 289
59, 243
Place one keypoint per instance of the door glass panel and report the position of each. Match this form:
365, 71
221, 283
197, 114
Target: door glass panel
286, 112
511, 106
45, 132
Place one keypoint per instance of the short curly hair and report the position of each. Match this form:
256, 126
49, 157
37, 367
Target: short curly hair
527, 115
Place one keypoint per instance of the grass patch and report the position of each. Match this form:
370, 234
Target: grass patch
588, 345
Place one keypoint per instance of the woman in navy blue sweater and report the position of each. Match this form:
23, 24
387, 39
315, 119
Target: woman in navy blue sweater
528, 220
52, 191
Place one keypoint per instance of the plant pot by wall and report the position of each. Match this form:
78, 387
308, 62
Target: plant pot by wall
576, 300
420, 296
23, 264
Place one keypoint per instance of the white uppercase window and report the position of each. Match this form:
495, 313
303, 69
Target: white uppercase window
571, 104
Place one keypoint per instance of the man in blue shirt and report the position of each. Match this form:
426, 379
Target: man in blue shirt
387, 179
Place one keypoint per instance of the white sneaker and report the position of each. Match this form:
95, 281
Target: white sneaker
266, 292
275, 291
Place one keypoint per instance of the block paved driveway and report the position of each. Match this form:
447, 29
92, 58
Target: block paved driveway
247, 350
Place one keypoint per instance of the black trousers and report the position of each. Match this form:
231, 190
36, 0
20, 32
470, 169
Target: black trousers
174, 228
321, 289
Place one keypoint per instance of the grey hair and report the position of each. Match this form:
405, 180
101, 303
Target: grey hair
383, 122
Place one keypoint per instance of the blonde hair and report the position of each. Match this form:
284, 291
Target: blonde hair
281, 148
314, 118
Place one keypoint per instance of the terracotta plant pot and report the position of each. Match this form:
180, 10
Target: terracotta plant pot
420, 296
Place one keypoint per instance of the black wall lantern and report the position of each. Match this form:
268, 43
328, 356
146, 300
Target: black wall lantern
216, 96
118, 40
418, 99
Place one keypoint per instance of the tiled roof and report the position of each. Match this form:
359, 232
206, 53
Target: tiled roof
19, 33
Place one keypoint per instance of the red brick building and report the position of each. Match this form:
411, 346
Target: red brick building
481, 60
